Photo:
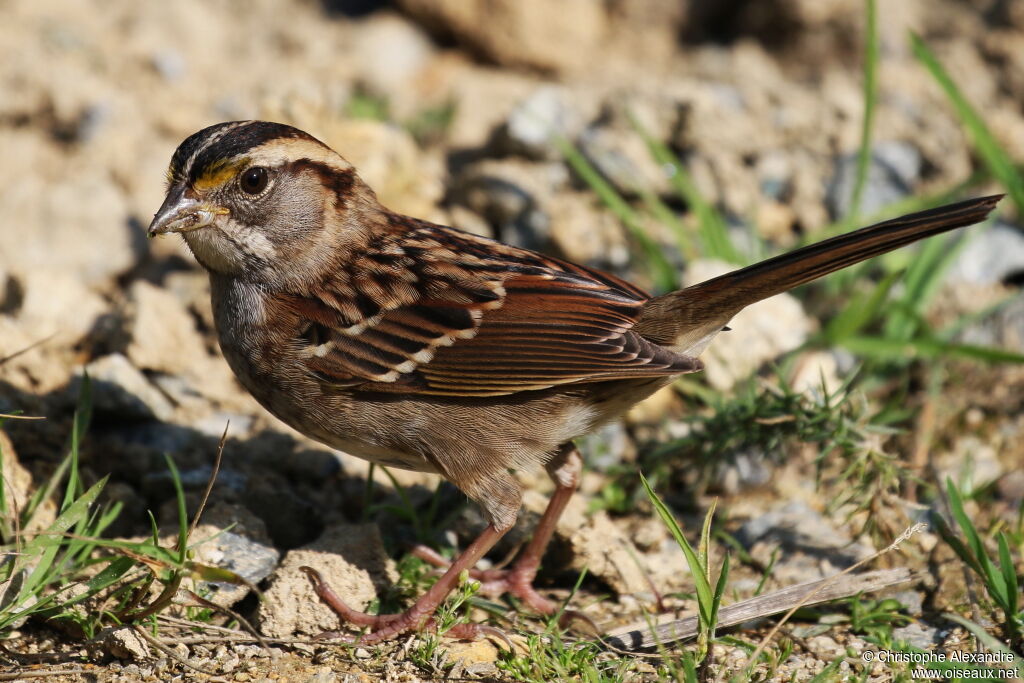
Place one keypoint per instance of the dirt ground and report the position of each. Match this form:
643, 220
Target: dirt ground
456, 112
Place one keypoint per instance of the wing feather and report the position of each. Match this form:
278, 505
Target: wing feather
436, 311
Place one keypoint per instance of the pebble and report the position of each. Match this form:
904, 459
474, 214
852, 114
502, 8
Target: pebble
121, 391
992, 255
892, 174
537, 122
918, 634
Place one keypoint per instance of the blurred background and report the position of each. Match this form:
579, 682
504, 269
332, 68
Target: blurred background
664, 141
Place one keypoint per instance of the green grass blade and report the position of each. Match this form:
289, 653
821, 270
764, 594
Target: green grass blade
1012, 604
954, 542
828, 673
664, 273
705, 597
923, 279
895, 349
179, 492
703, 548
870, 98
723, 580
990, 151
711, 226
46, 545
990, 574
861, 311
108, 576
956, 505
661, 211
989, 641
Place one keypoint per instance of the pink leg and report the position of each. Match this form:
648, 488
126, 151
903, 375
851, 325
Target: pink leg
420, 615
565, 470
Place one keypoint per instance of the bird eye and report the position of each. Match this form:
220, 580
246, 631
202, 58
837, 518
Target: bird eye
254, 180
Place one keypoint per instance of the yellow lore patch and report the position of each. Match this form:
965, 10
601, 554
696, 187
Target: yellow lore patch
218, 174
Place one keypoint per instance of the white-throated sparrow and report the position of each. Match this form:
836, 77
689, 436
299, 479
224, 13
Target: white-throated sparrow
419, 346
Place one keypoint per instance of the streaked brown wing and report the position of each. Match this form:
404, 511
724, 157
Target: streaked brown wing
452, 314
549, 332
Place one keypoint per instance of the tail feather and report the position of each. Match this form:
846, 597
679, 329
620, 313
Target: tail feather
681, 319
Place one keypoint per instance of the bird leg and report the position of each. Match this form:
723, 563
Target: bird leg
565, 469
421, 615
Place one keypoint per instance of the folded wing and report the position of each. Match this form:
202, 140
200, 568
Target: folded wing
445, 313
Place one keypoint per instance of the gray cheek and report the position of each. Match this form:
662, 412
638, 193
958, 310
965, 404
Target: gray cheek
296, 215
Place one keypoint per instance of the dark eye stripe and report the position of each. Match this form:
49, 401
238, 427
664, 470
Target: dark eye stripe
214, 144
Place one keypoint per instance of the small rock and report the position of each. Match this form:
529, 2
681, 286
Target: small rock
775, 222
520, 32
585, 233
163, 334
473, 652
169, 63
605, 551
390, 162
1003, 328
537, 122
1011, 488
237, 542
481, 669
912, 601
54, 301
121, 391
323, 676
775, 173
623, 158
391, 53
743, 471
918, 635
606, 447
238, 425
991, 256
892, 174
164, 339
18, 488
467, 220
655, 408
816, 374
825, 647
76, 224
647, 532
122, 642
972, 463
798, 527
350, 557
594, 543
510, 194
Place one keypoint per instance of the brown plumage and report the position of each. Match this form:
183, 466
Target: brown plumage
419, 346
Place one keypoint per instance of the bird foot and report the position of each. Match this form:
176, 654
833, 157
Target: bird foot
387, 626
516, 581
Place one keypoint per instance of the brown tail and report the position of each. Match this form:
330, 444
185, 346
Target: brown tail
682, 318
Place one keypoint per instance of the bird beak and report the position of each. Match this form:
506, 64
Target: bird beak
183, 214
